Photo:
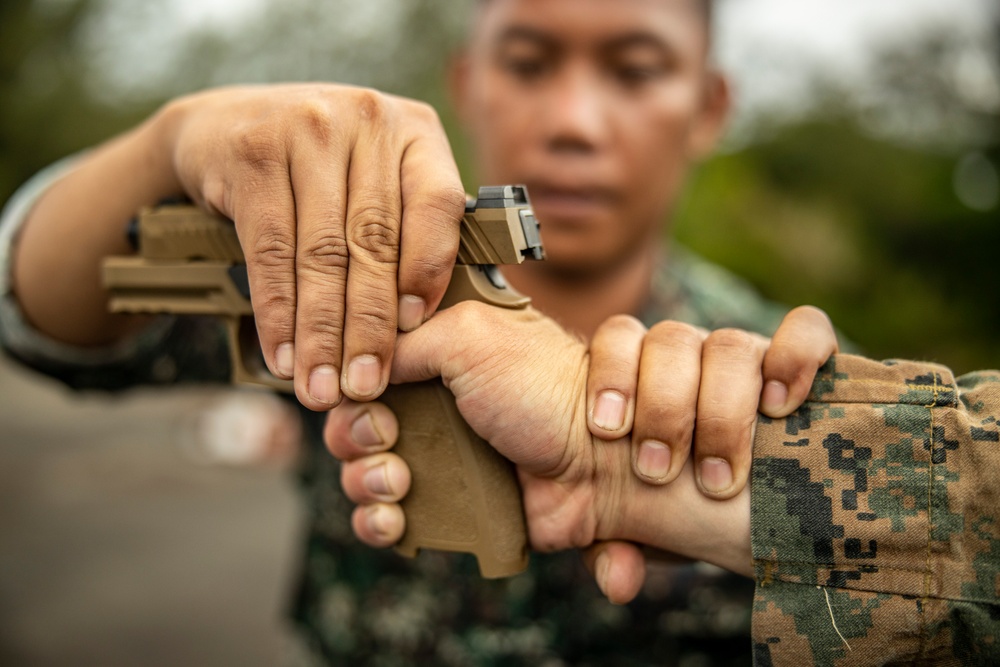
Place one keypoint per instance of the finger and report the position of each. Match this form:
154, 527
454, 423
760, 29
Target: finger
265, 224
433, 206
377, 478
374, 208
727, 410
319, 175
800, 346
441, 346
354, 430
379, 525
615, 351
618, 567
667, 401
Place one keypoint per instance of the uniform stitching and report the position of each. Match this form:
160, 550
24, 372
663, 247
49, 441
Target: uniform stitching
930, 528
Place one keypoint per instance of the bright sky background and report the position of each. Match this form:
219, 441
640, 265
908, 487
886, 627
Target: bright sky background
777, 47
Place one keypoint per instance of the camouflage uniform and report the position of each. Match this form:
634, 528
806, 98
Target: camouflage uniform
357, 605
876, 520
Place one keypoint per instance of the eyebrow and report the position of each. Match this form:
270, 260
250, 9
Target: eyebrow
637, 39
525, 33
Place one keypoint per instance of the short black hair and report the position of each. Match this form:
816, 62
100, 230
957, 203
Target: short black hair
707, 8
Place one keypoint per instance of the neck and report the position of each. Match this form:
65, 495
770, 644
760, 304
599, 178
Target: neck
581, 301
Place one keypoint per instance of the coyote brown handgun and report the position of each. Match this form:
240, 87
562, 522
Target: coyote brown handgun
464, 496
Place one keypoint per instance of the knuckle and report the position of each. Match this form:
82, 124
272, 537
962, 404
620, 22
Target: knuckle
318, 120
431, 269
675, 333
272, 305
445, 204
371, 104
469, 315
374, 231
812, 315
372, 317
272, 247
259, 147
324, 326
722, 429
732, 343
622, 324
324, 252
664, 425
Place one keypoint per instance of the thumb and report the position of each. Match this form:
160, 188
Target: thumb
457, 340
420, 354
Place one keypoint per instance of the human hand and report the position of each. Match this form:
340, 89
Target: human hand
321, 180
511, 371
677, 387
709, 402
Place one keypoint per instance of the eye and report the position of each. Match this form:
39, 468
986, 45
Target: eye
638, 65
526, 68
637, 75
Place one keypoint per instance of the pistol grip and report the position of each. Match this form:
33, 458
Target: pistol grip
464, 496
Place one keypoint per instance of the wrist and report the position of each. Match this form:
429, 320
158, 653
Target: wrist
676, 518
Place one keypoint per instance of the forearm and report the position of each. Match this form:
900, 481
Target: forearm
80, 220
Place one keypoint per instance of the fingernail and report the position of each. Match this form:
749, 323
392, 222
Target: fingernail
364, 432
609, 410
364, 375
412, 311
323, 385
774, 396
375, 518
653, 461
284, 360
376, 480
602, 568
716, 475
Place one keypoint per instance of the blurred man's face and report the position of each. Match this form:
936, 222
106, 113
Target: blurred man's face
598, 106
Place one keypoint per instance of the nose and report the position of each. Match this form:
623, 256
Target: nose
575, 114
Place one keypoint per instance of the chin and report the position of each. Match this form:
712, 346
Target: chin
578, 258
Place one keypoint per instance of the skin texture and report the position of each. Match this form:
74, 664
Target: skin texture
577, 489
511, 373
312, 175
678, 387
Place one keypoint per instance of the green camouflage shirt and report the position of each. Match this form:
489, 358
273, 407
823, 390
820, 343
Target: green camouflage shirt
876, 533
876, 520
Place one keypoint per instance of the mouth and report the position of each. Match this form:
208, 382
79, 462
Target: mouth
559, 203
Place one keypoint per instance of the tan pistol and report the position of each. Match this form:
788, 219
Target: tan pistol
464, 496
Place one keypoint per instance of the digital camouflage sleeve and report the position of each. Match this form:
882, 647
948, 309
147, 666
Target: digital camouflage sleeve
876, 520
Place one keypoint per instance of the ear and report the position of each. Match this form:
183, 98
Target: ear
458, 85
711, 121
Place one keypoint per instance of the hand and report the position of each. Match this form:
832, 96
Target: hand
321, 182
676, 387
510, 372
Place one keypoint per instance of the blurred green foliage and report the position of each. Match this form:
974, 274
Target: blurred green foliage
821, 211
870, 231
46, 111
